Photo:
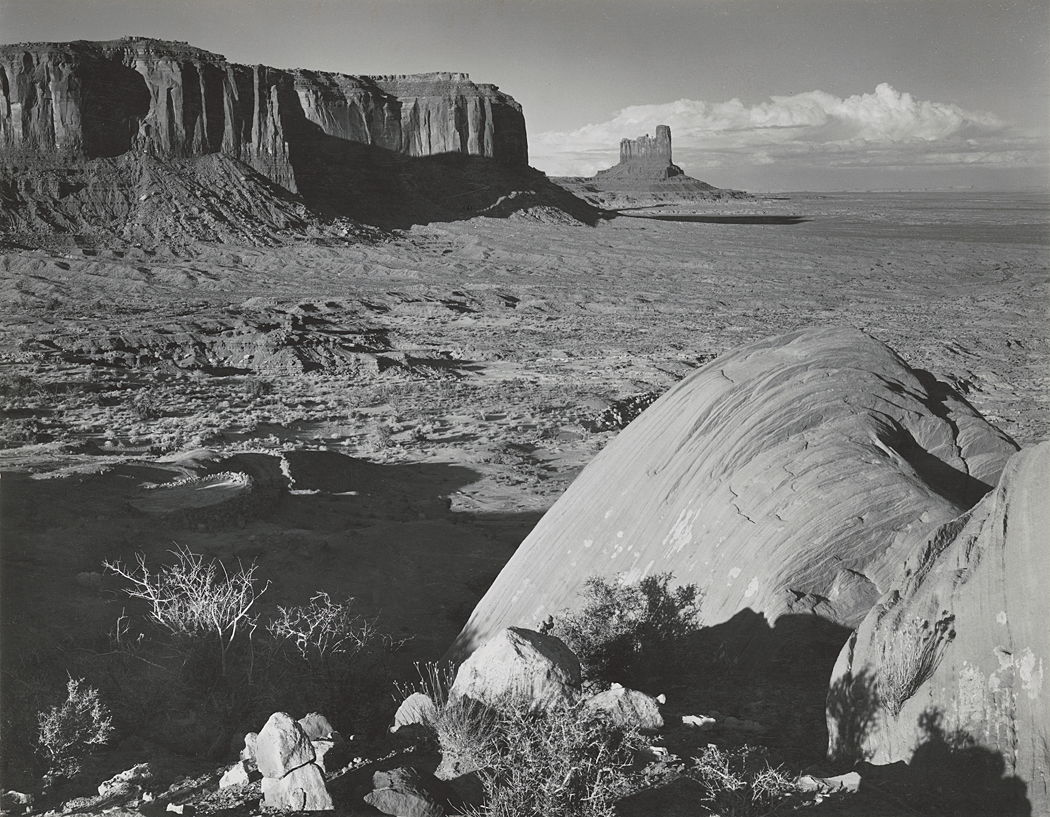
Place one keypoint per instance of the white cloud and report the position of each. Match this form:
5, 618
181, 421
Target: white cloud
815, 128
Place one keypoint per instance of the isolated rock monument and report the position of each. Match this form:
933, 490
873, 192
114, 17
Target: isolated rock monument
792, 476
645, 158
646, 170
950, 673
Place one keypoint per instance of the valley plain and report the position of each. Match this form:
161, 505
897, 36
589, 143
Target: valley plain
427, 395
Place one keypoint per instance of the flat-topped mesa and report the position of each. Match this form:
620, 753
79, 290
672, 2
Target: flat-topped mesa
647, 157
167, 99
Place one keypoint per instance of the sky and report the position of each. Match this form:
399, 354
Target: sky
761, 95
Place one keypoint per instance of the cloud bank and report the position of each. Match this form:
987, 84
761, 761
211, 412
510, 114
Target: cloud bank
814, 129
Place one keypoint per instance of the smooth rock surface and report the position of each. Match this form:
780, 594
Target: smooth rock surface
791, 476
948, 673
519, 666
416, 708
282, 746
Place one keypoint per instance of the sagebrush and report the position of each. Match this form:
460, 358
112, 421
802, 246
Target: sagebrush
69, 730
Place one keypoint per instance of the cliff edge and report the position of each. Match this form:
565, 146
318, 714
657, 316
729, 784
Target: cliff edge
89, 131
102, 99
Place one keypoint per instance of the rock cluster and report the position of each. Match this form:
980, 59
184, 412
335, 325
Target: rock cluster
293, 779
790, 476
104, 99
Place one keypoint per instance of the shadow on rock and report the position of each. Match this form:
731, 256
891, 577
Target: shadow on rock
384, 188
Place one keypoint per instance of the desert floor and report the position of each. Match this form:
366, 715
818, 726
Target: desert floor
487, 361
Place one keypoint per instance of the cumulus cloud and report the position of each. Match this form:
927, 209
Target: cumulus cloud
815, 128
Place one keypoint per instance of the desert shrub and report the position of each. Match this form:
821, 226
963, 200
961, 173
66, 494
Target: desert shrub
379, 438
145, 405
558, 762
741, 781
17, 385
625, 629
257, 387
434, 679
910, 654
205, 608
329, 658
69, 730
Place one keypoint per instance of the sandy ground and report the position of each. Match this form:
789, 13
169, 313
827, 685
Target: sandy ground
475, 368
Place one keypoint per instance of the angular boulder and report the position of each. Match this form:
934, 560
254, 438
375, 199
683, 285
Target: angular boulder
316, 726
520, 666
282, 746
302, 789
407, 792
789, 476
627, 708
949, 673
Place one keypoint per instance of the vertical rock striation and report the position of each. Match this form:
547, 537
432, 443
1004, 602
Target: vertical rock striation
103, 99
646, 157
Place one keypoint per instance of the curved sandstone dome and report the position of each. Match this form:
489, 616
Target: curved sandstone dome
790, 476
955, 662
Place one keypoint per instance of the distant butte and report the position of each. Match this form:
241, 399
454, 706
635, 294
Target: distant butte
645, 158
645, 171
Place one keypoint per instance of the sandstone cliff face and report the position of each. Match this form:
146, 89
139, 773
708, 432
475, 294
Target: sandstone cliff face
950, 669
786, 477
172, 100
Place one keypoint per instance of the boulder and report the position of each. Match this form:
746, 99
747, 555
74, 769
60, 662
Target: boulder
251, 741
791, 476
626, 708
240, 773
128, 782
282, 746
15, 802
316, 726
948, 672
520, 666
417, 708
302, 789
407, 792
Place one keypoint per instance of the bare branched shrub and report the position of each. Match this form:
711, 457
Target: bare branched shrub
561, 762
741, 781
323, 630
624, 630
910, 655
201, 604
69, 730
329, 657
256, 388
